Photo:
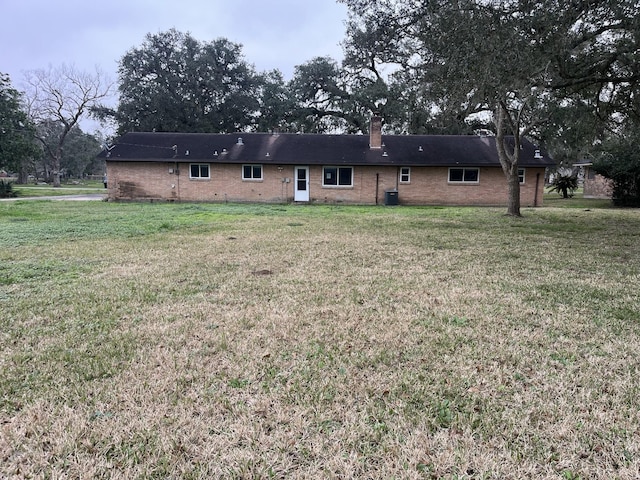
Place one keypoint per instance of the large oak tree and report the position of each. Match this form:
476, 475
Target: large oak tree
173, 82
62, 96
514, 60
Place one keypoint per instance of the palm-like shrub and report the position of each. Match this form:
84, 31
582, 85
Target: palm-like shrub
565, 185
6, 190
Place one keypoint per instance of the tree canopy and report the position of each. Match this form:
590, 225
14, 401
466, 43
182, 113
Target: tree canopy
78, 156
61, 97
173, 82
16, 131
619, 160
516, 61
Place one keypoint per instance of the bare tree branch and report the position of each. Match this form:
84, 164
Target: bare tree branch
63, 95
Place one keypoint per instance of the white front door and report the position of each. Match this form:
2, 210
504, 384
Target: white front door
301, 185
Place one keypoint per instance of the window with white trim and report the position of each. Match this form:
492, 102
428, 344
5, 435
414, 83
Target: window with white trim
521, 175
405, 174
337, 176
199, 171
464, 175
252, 172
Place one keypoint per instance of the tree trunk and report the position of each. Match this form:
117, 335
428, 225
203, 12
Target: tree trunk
513, 200
23, 175
57, 160
510, 168
55, 174
509, 160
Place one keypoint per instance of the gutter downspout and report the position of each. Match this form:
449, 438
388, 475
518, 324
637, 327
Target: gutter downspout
177, 170
535, 198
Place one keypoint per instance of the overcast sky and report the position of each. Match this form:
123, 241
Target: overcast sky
274, 33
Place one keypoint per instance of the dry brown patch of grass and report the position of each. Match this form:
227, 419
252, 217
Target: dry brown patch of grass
418, 343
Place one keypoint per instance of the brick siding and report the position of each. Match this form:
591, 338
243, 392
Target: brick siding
427, 186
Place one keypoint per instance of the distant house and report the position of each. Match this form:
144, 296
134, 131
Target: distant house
595, 185
316, 168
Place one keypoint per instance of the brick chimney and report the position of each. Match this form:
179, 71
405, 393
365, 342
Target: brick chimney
375, 132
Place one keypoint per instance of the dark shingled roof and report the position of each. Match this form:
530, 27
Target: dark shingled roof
315, 149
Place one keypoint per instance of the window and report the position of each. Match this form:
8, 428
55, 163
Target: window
521, 175
405, 175
199, 170
464, 175
252, 172
337, 177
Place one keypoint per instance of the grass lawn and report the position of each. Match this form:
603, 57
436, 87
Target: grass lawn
255, 341
71, 188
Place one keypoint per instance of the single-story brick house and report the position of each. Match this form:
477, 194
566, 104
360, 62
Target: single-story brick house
318, 168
